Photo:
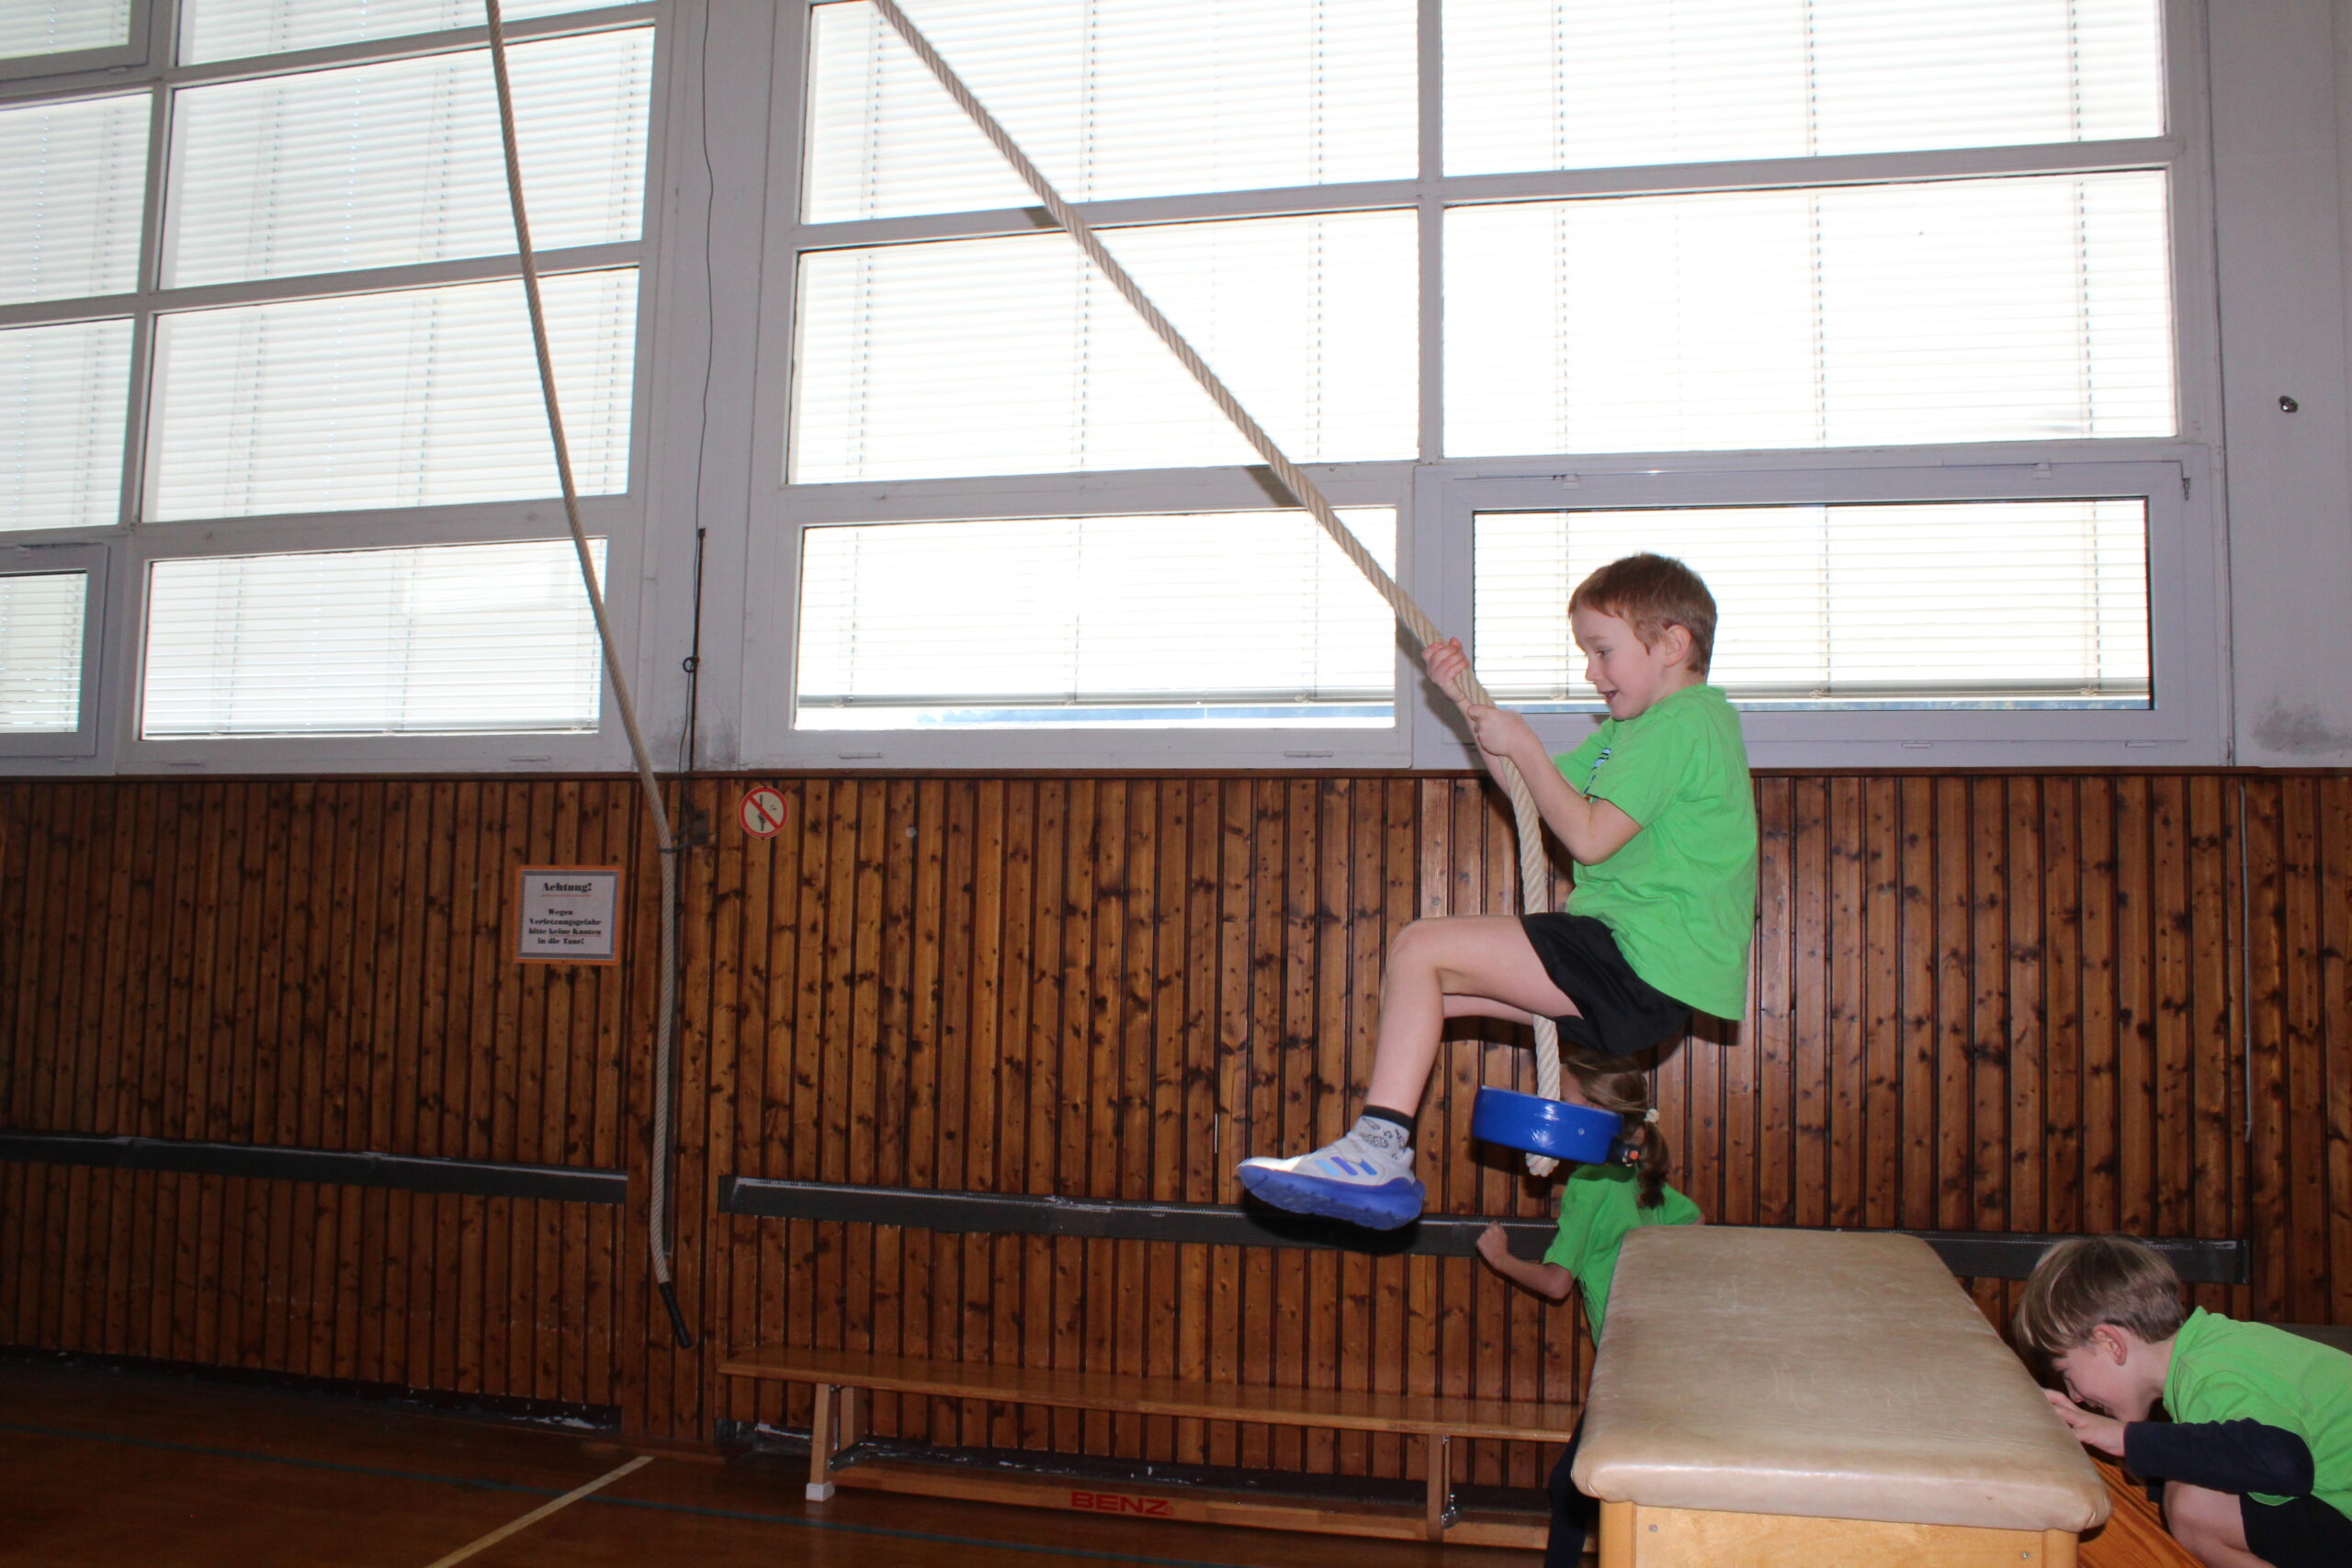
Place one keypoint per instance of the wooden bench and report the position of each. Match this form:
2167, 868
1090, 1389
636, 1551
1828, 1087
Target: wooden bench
839, 1376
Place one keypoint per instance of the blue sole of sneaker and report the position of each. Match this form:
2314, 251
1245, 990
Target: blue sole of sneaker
1382, 1208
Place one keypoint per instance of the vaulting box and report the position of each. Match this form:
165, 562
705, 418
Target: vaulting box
1774, 1396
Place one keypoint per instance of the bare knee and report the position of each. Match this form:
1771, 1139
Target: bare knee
1417, 945
2208, 1523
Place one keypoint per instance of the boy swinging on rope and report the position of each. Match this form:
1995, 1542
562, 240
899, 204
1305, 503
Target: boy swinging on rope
1656, 809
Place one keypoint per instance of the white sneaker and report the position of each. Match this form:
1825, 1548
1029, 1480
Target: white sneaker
1346, 1179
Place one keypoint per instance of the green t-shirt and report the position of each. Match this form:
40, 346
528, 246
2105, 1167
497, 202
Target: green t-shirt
2226, 1370
1680, 896
1599, 1204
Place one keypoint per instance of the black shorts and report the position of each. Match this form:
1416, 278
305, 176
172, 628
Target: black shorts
2302, 1532
1622, 1012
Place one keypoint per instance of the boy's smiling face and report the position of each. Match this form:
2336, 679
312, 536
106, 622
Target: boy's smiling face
2114, 1370
1630, 675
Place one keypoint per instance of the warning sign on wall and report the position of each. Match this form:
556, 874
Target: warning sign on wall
568, 914
762, 811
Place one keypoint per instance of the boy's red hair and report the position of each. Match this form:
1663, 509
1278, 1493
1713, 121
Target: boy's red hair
1651, 593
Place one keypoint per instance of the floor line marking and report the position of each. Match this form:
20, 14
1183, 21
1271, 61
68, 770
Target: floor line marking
796, 1521
516, 1527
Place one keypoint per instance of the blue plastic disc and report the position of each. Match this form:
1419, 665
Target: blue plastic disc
1542, 1127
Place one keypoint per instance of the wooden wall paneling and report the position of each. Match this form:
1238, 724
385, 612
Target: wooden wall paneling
1764, 1145
1235, 1273
2100, 1106
476, 926
2062, 992
1041, 811
1915, 956
1991, 1042
715, 934
1112, 1153
1885, 896
2265, 991
806, 1316
1190, 965
2331, 1105
333, 1331
1160, 933
1385, 909
78, 1049
741, 1318
1951, 832
2170, 1095
289, 1036
2134, 1008
2216, 1154
1332, 1092
1002, 1038
176, 1214
931, 829
2026, 1002
1813, 1032
244, 1233
207, 1069
2306, 1062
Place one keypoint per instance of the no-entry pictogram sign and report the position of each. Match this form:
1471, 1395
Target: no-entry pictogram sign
762, 812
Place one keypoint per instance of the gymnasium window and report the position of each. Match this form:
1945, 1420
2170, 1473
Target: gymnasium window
1713, 252
260, 308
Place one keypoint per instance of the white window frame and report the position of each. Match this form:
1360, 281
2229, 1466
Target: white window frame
79, 746
2190, 723
2182, 726
139, 45
134, 545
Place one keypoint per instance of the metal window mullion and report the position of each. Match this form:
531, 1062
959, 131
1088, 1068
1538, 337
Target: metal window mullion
143, 314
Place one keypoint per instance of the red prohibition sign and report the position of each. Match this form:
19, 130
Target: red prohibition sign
763, 812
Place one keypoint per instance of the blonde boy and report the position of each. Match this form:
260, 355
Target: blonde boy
1656, 809
2256, 1460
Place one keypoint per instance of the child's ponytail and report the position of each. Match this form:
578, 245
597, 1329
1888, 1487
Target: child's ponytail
1627, 1092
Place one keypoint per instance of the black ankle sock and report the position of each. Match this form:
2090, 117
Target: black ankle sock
1381, 1113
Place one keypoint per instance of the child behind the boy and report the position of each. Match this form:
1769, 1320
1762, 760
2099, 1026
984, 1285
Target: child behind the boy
2257, 1458
1600, 1204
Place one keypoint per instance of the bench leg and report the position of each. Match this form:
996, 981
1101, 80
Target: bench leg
820, 1445
1617, 1535
1436, 1459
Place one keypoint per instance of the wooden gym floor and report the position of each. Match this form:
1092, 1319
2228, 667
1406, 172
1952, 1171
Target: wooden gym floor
105, 1469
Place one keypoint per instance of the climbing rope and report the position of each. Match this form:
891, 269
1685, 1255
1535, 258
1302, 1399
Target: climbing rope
1534, 869
657, 1222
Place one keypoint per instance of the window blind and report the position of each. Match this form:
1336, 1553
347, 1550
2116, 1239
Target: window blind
1111, 97
1582, 83
2000, 603
1011, 356
56, 26
418, 398
71, 175
454, 639
234, 29
400, 162
40, 652
63, 398
2021, 309
1218, 619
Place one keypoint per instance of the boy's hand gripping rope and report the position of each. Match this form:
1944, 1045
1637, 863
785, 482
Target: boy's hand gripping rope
1534, 870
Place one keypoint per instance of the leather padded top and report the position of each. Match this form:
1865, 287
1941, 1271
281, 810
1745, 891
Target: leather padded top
1819, 1373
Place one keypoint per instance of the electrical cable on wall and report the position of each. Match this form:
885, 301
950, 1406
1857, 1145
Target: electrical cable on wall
1535, 867
664, 1138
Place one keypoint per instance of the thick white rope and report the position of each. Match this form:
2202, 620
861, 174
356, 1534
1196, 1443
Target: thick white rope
1534, 868
664, 1029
